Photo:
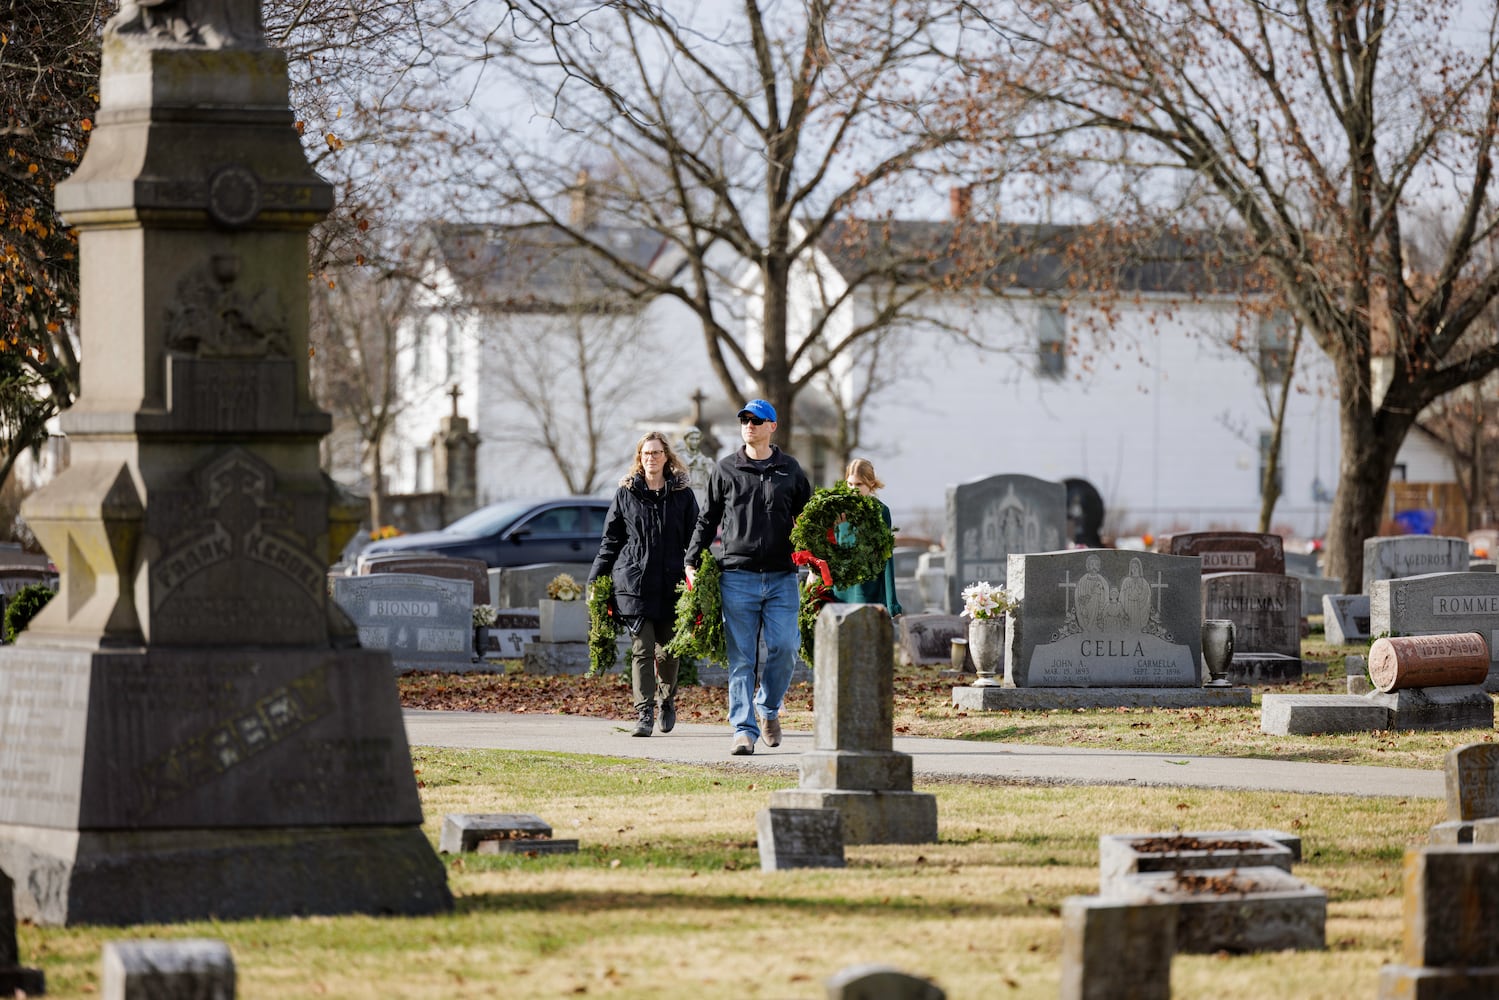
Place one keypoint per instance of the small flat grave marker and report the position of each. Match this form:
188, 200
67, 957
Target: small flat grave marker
500, 833
167, 970
799, 838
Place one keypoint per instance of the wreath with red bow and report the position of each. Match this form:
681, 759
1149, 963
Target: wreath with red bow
842, 533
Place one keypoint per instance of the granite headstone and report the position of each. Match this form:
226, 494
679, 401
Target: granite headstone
424, 622
1389, 557
1232, 551
1437, 604
991, 519
1105, 618
1266, 611
476, 571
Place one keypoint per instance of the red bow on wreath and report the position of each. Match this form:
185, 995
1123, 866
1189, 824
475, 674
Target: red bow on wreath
806, 558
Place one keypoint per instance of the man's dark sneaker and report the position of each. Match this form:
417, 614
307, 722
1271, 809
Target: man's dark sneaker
668, 715
646, 724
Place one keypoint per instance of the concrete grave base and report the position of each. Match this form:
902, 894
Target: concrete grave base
1459, 706
998, 699
67, 877
466, 831
864, 770
1122, 856
1407, 982
1264, 668
1237, 910
186, 783
546, 658
870, 817
1491, 683
530, 847
1452, 831
1310, 714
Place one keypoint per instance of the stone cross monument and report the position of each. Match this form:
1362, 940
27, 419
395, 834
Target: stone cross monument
190, 727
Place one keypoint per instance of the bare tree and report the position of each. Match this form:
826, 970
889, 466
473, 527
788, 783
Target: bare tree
1319, 128
572, 378
356, 318
745, 134
49, 73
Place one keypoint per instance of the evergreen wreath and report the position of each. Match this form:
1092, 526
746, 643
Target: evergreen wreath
603, 627
814, 595
699, 629
24, 606
816, 531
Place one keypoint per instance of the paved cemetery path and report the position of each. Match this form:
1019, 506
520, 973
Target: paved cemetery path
700, 744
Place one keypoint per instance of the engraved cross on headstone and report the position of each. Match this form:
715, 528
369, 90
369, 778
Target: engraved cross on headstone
1069, 590
1157, 587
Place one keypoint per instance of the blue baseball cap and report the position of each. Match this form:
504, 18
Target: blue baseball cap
759, 408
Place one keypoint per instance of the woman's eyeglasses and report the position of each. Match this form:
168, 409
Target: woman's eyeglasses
745, 418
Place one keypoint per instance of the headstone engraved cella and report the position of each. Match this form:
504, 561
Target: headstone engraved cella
1105, 618
193, 731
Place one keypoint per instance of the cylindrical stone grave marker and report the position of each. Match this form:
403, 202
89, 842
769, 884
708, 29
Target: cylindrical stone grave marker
1416, 661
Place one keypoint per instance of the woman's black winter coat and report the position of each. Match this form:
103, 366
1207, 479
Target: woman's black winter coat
644, 545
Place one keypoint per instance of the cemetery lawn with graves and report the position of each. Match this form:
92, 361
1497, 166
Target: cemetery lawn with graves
923, 707
665, 897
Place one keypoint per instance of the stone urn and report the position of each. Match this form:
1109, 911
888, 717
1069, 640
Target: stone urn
1217, 650
986, 644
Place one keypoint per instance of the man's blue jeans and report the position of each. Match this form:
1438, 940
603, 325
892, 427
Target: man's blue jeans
756, 605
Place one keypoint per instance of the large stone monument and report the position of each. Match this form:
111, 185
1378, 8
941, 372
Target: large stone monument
190, 727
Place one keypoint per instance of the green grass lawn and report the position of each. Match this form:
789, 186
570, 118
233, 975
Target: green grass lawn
666, 899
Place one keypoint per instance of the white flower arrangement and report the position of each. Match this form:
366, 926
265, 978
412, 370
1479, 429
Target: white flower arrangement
564, 588
484, 615
983, 601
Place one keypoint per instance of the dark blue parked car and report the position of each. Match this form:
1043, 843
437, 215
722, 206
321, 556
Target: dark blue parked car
514, 533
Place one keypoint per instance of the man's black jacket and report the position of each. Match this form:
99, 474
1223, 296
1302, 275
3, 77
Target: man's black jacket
756, 509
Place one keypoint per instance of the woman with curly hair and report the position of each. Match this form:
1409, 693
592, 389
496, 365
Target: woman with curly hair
642, 552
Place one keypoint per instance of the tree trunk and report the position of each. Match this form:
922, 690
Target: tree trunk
775, 375
1369, 448
377, 486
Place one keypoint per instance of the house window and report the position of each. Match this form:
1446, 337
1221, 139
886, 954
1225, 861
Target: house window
1274, 344
450, 348
426, 476
1266, 440
1051, 342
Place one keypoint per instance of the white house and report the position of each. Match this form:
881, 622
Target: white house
1148, 384
540, 342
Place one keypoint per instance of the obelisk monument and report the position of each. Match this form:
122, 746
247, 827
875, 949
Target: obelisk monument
189, 729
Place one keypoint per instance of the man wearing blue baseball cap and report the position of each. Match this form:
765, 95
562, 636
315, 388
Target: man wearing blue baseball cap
754, 496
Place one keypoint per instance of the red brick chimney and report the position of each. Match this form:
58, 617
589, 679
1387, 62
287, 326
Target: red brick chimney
960, 200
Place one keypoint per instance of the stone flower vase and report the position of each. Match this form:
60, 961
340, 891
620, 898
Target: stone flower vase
1217, 650
986, 644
